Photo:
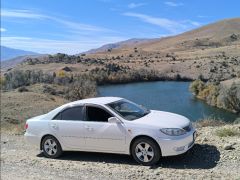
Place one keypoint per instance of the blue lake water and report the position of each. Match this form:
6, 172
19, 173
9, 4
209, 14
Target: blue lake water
167, 96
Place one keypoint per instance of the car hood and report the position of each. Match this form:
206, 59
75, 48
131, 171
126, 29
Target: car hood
164, 119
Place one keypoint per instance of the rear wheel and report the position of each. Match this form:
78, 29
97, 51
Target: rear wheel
51, 147
145, 151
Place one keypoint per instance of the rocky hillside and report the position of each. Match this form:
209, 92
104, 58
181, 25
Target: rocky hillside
225, 94
210, 52
110, 47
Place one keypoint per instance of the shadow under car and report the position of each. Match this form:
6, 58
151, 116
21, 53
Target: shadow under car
200, 156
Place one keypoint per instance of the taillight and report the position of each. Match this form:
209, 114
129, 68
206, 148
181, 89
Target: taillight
26, 125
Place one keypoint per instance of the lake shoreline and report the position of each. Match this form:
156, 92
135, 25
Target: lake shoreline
143, 81
175, 95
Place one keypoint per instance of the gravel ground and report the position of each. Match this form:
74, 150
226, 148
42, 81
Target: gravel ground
208, 159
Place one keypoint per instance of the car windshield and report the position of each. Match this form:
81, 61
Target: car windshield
128, 110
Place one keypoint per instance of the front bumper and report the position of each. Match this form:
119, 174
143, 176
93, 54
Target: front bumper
177, 145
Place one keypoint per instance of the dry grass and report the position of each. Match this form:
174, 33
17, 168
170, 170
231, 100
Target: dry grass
17, 107
224, 132
210, 122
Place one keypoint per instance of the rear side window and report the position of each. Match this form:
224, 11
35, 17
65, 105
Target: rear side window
73, 114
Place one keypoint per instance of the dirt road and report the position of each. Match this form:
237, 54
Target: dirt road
208, 159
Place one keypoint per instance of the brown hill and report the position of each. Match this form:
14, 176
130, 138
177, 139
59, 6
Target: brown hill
222, 33
212, 51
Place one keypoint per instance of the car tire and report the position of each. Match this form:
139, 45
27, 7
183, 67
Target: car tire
51, 147
145, 151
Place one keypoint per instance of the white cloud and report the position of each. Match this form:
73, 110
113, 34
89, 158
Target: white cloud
202, 16
21, 13
80, 37
173, 4
170, 25
55, 46
194, 23
2, 30
135, 5
28, 14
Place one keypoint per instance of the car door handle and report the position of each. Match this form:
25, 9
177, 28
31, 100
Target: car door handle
88, 128
54, 126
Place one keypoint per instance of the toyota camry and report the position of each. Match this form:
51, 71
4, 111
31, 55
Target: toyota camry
111, 125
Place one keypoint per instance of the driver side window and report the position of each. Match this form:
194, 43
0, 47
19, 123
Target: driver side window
97, 114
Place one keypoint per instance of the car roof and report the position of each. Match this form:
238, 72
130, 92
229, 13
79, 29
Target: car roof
97, 100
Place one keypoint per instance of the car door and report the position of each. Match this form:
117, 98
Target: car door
102, 135
69, 126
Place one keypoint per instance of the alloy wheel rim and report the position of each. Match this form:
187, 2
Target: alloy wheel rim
50, 147
144, 152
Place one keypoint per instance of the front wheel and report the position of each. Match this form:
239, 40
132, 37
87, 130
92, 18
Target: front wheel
51, 147
145, 151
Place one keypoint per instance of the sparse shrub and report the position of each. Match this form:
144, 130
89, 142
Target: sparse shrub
201, 77
218, 95
48, 89
23, 89
234, 37
229, 98
209, 122
168, 55
67, 69
2, 81
224, 132
12, 120
197, 86
238, 74
212, 70
61, 74
177, 77
81, 88
17, 78
209, 93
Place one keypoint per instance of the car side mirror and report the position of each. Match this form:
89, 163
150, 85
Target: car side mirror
114, 120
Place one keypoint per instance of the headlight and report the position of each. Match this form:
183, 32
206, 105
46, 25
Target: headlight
173, 131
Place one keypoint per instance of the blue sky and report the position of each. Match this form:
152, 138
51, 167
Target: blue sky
73, 26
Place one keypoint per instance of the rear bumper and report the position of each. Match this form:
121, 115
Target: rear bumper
178, 145
32, 139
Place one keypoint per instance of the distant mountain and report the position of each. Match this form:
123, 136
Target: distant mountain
10, 63
109, 47
221, 33
9, 53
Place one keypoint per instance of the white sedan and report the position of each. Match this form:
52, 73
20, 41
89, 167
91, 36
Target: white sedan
111, 125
